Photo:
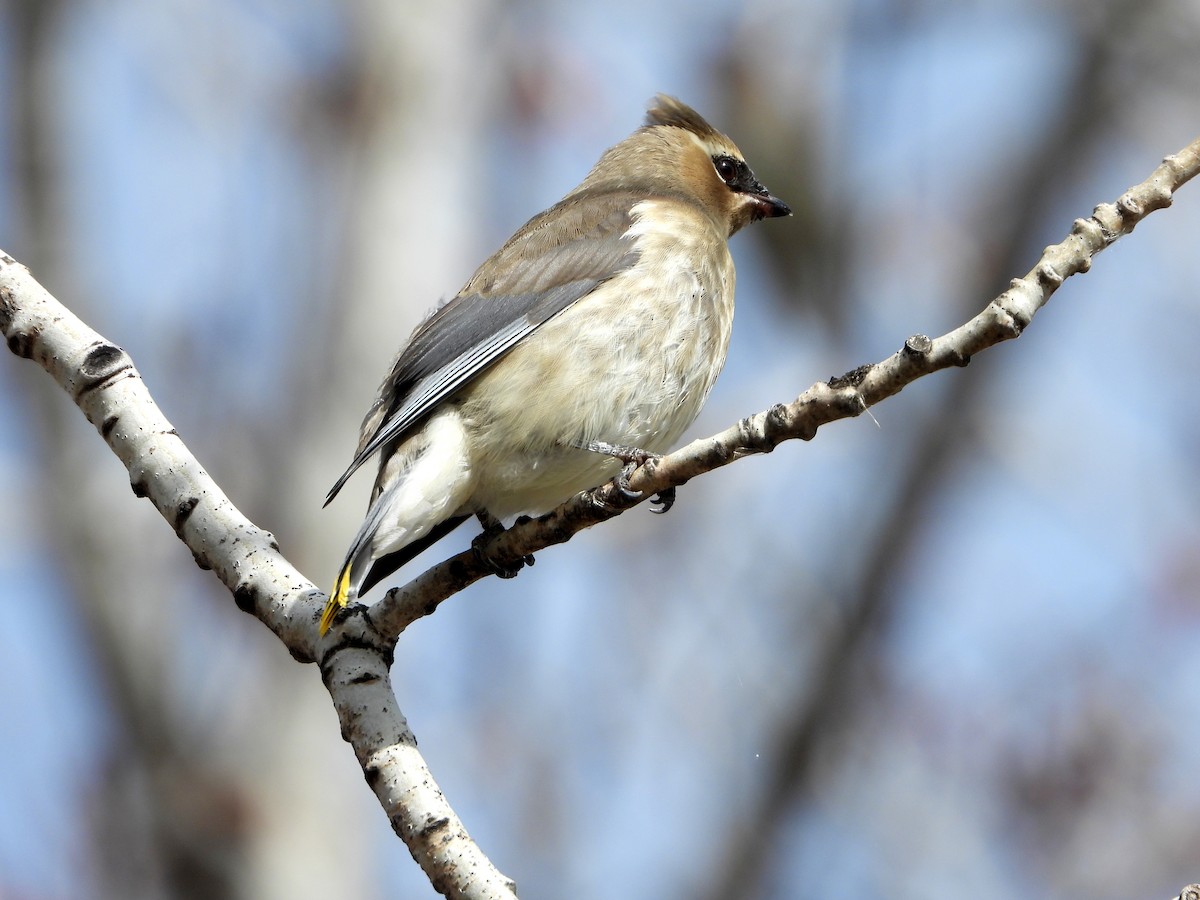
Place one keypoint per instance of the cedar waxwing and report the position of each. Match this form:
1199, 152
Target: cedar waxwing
590, 339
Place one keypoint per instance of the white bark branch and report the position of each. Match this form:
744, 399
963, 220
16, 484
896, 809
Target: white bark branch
104, 384
355, 659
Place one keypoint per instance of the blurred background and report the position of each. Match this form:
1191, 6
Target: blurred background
954, 651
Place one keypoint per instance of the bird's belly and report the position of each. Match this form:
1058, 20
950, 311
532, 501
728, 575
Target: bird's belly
623, 365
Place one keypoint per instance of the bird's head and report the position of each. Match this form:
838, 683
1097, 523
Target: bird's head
677, 153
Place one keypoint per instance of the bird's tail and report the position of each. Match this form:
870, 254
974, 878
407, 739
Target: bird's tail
356, 567
338, 597
418, 500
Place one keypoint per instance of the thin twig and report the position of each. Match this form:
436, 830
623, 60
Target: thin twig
846, 396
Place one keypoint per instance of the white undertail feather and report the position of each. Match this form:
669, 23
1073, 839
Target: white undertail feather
427, 479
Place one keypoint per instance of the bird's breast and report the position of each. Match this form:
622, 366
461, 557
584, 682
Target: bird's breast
630, 363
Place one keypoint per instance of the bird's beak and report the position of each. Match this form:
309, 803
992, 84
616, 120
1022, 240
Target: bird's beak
768, 206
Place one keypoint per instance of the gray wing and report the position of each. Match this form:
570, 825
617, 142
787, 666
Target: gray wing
558, 257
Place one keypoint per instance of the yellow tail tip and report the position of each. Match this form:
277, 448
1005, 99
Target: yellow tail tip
337, 599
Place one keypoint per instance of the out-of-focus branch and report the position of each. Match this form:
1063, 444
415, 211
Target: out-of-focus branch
355, 658
828, 699
829, 696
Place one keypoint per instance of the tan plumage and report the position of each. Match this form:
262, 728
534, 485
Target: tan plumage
604, 320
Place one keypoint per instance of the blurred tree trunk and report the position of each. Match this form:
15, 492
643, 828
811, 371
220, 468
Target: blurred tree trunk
219, 807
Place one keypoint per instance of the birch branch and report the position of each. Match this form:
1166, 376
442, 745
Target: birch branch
101, 379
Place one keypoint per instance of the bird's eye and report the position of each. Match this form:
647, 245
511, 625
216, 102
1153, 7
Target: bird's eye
727, 167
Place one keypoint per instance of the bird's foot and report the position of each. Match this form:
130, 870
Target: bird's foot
633, 457
663, 501
492, 527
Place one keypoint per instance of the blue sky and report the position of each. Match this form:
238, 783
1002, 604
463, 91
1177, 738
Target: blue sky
204, 229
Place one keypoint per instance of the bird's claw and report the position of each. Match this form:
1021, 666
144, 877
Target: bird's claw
660, 502
633, 457
622, 481
500, 568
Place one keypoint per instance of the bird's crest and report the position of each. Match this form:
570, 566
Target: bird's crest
666, 110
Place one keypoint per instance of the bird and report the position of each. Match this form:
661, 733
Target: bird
584, 346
